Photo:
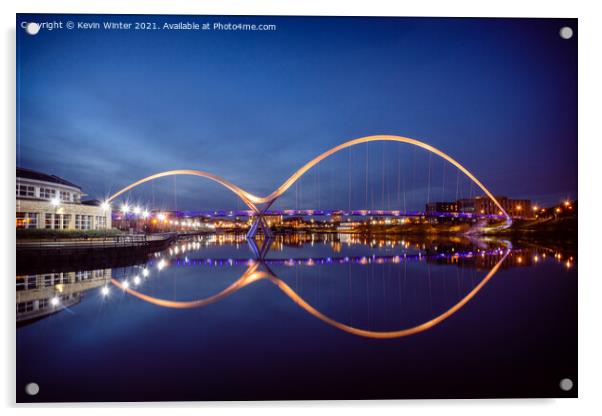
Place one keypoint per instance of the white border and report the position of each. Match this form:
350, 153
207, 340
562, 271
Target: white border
590, 201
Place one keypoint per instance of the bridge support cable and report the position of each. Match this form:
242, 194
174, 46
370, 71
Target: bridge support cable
367, 158
349, 172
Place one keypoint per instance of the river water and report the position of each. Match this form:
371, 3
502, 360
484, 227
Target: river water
305, 317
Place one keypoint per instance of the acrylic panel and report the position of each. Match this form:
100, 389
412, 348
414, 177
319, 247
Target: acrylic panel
295, 208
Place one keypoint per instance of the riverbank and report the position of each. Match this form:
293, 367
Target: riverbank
60, 253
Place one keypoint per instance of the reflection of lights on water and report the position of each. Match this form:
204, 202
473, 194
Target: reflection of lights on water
136, 280
519, 259
161, 265
55, 301
145, 272
568, 264
105, 291
125, 284
536, 258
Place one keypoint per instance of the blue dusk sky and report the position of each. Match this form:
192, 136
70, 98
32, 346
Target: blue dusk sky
103, 108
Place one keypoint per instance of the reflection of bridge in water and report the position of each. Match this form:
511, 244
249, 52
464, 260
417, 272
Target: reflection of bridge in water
42, 295
259, 269
259, 207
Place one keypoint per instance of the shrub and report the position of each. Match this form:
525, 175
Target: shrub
36, 233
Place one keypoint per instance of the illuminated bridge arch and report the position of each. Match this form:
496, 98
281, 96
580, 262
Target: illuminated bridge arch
241, 193
379, 138
252, 201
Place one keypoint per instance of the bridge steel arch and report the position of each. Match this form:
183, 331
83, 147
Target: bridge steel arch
241, 193
379, 138
252, 201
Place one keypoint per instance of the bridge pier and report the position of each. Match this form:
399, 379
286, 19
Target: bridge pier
259, 224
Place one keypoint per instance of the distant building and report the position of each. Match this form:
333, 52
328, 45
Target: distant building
49, 202
434, 207
517, 208
466, 205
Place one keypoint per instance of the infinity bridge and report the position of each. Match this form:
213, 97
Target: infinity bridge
259, 206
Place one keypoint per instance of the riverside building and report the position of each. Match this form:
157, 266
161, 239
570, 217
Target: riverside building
48, 202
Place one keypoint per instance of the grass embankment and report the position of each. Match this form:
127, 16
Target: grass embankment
48, 234
566, 226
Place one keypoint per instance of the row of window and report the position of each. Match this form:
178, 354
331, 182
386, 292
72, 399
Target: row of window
101, 223
26, 190
51, 279
33, 305
27, 220
57, 221
83, 222
60, 221
46, 193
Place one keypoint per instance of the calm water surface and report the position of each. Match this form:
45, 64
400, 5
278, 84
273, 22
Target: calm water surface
305, 317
